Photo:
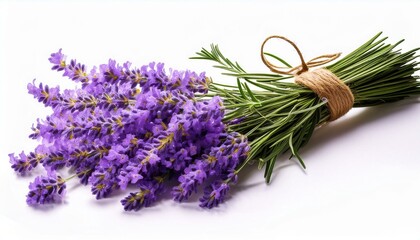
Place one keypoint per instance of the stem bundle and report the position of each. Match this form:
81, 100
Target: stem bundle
280, 116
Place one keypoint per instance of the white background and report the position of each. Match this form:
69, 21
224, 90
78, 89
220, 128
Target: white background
363, 171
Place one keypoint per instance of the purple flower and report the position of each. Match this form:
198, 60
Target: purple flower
232, 151
111, 71
214, 195
20, 163
236, 121
131, 175
143, 198
147, 159
59, 61
45, 94
103, 183
232, 176
194, 175
76, 72
132, 127
117, 154
54, 160
46, 189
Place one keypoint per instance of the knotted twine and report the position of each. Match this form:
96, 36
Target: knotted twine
324, 83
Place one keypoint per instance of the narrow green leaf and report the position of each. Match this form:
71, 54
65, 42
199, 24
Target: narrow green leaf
294, 152
278, 59
240, 88
250, 93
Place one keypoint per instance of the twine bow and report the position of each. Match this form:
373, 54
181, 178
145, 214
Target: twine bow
323, 82
304, 67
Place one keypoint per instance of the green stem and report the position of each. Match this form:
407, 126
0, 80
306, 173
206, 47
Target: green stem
280, 116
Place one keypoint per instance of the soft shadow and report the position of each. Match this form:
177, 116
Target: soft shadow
142, 211
252, 169
105, 201
326, 134
333, 131
194, 206
44, 207
48, 206
37, 171
283, 162
114, 197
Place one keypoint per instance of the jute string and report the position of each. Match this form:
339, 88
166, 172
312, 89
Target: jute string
323, 82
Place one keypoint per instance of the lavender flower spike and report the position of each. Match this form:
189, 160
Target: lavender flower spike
59, 61
214, 195
144, 198
46, 189
128, 127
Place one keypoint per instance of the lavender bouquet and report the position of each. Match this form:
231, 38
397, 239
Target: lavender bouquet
130, 127
154, 131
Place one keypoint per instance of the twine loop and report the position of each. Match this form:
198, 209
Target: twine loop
321, 81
